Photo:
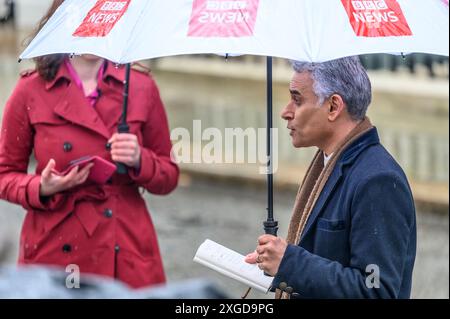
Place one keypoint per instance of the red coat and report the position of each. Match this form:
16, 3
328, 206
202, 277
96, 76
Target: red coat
104, 229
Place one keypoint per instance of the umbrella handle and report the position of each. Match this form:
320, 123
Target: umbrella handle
121, 167
271, 228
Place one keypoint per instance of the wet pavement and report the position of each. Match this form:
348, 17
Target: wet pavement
231, 214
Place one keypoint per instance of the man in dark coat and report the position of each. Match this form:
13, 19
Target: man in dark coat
353, 228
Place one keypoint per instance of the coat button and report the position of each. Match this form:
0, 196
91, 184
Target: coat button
117, 248
66, 248
108, 146
67, 147
108, 213
282, 286
289, 290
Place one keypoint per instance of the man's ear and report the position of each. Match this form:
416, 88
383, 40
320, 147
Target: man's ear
335, 107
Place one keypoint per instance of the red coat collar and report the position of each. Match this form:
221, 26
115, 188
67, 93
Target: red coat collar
112, 71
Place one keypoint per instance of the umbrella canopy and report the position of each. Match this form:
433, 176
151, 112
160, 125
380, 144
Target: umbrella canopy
124, 31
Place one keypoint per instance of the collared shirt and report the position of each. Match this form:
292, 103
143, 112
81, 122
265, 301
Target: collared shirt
326, 158
94, 95
110, 72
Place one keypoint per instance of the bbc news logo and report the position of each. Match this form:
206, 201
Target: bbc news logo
226, 5
370, 5
223, 18
102, 18
377, 18
114, 6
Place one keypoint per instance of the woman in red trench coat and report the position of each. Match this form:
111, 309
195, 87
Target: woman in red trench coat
104, 229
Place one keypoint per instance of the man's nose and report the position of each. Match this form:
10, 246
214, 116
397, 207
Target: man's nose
286, 112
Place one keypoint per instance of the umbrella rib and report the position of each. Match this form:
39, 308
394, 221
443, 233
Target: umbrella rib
132, 33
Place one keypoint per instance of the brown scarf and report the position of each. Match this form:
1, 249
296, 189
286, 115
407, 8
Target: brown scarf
313, 183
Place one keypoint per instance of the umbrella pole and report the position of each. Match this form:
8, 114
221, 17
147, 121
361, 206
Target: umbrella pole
270, 225
123, 126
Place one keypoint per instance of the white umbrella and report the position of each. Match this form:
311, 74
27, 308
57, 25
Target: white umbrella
125, 31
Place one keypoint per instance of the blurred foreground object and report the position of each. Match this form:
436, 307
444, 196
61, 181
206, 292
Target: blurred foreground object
37, 282
9, 15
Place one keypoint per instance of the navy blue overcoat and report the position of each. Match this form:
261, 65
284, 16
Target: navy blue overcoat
360, 239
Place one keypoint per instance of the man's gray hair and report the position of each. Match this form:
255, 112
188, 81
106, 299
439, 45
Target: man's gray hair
346, 77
